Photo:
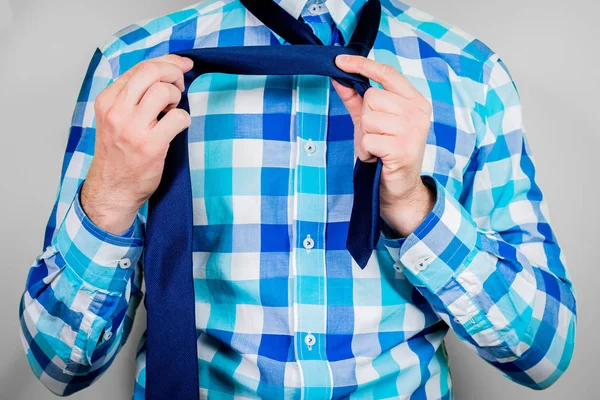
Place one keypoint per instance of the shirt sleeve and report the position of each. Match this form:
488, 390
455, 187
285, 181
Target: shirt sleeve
82, 291
486, 257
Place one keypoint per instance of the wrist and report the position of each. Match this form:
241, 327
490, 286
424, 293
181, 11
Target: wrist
104, 213
406, 214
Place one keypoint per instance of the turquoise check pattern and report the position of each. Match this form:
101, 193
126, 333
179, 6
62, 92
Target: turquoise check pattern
282, 311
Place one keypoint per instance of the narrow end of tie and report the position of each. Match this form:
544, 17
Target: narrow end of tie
359, 252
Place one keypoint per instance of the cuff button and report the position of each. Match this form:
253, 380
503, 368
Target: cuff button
124, 263
422, 264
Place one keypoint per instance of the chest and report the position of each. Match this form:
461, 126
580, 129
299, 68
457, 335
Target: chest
262, 147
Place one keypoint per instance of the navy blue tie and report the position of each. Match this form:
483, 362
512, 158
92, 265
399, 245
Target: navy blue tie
171, 337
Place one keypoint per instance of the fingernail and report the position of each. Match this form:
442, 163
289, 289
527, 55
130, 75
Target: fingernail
188, 61
342, 58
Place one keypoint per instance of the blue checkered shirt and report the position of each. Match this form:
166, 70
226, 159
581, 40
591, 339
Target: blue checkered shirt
282, 310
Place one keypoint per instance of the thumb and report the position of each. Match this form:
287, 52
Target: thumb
352, 100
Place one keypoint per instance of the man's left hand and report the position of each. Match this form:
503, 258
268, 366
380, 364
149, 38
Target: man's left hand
392, 124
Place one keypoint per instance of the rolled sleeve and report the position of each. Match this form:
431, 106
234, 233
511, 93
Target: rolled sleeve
491, 266
440, 246
101, 259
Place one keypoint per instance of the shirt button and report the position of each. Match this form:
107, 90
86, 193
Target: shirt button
313, 9
398, 266
310, 147
308, 243
310, 340
422, 264
107, 334
124, 263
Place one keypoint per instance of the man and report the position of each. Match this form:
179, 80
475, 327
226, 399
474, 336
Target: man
282, 309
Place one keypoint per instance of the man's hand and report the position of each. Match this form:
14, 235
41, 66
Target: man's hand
131, 144
392, 124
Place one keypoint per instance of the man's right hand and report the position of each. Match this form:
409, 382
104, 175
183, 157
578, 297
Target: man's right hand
131, 144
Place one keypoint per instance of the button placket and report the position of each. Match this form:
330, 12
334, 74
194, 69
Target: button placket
310, 317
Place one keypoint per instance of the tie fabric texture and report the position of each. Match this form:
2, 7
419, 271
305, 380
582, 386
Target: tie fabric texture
171, 359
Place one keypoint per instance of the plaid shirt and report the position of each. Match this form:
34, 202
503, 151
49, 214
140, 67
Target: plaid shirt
282, 311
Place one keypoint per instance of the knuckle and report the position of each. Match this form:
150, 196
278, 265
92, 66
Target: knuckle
160, 90
126, 75
181, 61
101, 105
173, 58
386, 70
177, 95
113, 117
368, 122
427, 106
173, 91
368, 96
185, 117
365, 142
176, 90
181, 116
148, 68
168, 57
361, 63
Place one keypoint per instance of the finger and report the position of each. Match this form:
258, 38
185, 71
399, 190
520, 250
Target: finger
381, 123
184, 63
379, 146
112, 91
376, 99
385, 74
146, 75
159, 97
350, 98
174, 122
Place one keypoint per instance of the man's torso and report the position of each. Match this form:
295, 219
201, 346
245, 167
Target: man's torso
282, 310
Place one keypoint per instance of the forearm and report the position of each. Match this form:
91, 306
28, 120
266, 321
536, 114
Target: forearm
512, 304
76, 311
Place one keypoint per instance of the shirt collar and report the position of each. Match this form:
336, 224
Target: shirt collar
343, 12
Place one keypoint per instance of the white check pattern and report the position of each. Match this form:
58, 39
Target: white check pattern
282, 311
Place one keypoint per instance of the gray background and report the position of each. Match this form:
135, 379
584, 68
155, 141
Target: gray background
550, 47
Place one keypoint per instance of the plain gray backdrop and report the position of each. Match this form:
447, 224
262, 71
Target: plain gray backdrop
551, 48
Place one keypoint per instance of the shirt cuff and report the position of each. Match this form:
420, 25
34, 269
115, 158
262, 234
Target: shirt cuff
102, 259
440, 247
